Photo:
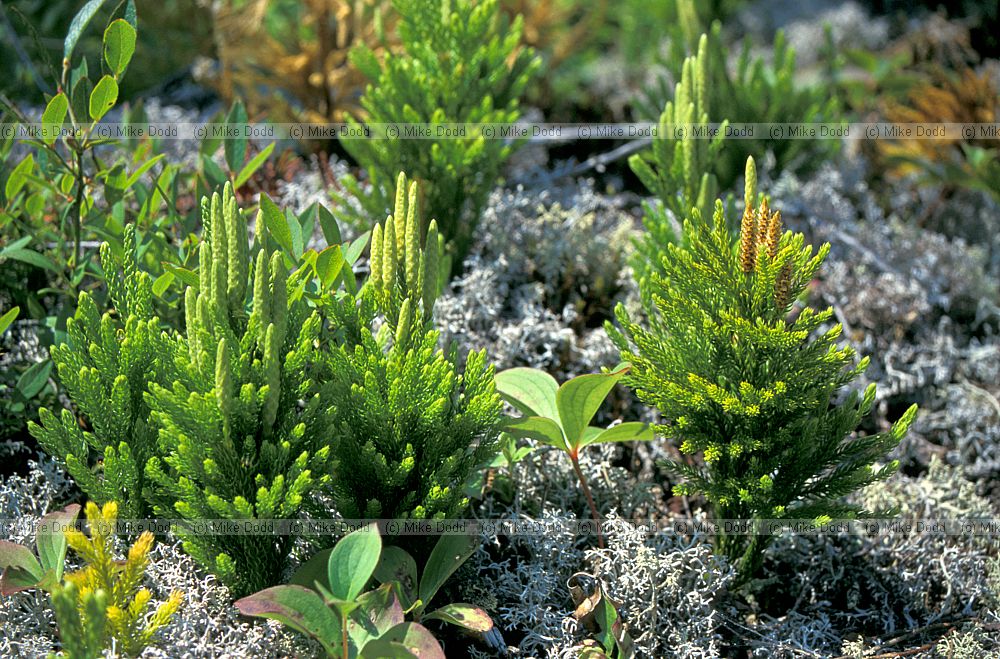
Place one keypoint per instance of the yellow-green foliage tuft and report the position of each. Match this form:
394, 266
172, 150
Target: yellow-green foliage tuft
104, 602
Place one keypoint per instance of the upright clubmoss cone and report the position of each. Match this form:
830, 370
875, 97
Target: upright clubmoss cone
750, 184
772, 237
748, 240
748, 225
400, 268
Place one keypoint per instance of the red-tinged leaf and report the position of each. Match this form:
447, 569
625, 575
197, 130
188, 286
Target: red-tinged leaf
299, 608
463, 615
21, 569
411, 637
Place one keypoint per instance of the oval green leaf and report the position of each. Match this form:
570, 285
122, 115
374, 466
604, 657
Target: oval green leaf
51, 538
328, 223
353, 561
463, 615
78, 25
299, 608
580, 398
19, 558
119, 45
448, 554
34, 379
409, 637
277, 225
531, 391
623, 432
539, 428
8, 318
236, 148
397, 565
103, 97
313, 571
53, 117
31, 256
251, 167
18, 177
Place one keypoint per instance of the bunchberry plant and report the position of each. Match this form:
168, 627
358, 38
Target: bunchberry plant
412, 423
560, 416
755, 391
104, 603
461, 63
328, 599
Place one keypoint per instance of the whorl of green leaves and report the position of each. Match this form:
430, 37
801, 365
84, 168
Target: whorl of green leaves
411, 425
461, 63
104, 368
240, 428
754, 392
679, 167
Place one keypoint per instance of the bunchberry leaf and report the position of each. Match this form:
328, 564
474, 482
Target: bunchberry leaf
353, 561
531, 391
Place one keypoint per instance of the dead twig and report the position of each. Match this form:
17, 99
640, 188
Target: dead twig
597, 162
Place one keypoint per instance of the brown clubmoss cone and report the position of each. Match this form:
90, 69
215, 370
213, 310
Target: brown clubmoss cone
772, 237
782, 287
748, 240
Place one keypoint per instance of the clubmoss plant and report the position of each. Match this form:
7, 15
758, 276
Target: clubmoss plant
241, 431
104, 603
218, 422
412, 423
461, 63
679, 169
104, 368
755, 91
756, 392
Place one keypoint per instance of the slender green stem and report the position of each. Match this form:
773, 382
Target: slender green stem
590, 499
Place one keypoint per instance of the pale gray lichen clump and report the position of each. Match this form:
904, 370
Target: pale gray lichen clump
857, 594
666, 584
547, 268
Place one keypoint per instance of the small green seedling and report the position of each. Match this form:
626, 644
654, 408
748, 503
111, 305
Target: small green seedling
560, 416
22, 570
